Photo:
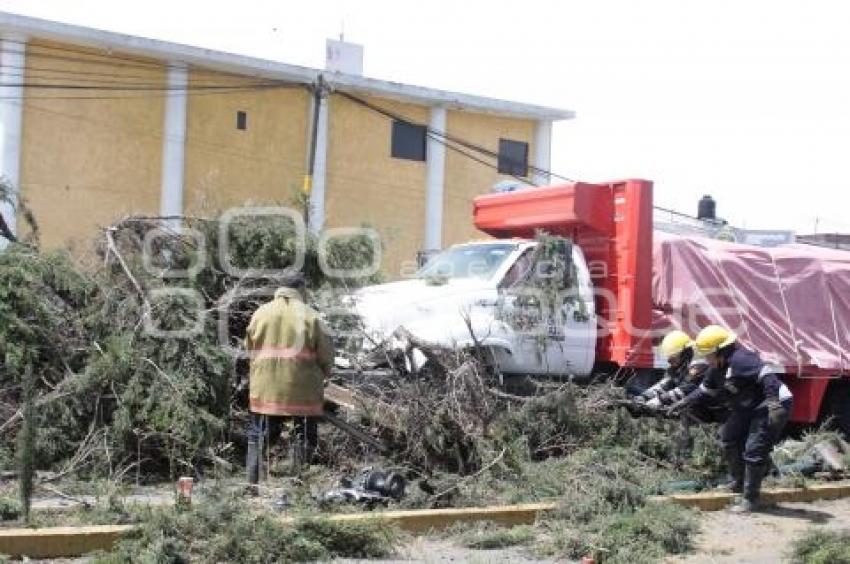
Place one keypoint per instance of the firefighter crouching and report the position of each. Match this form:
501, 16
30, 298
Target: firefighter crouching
759, 404
290, 358
684, 374
678, 380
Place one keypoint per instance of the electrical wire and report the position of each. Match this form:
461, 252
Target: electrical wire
91, 56
441, 134
33, 70
123, 61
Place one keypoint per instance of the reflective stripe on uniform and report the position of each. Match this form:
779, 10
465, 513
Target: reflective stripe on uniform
770, 369
271, 407
785, 393
289, 353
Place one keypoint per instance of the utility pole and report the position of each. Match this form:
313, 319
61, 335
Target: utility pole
320, 92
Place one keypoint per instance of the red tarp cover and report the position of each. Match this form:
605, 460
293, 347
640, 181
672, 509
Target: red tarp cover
790, 303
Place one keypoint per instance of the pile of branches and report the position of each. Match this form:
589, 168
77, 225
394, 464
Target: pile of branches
112, 397
457, 414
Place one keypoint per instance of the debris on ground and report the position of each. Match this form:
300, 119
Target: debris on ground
824, 454
371, 488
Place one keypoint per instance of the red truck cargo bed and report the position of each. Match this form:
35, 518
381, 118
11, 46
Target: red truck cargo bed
790, 303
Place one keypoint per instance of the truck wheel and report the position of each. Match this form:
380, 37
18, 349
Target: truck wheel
837, 406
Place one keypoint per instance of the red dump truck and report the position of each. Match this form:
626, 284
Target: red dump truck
627, 286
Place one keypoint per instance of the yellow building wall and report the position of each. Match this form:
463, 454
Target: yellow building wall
261, 165
87, 162
465, 178
367, 186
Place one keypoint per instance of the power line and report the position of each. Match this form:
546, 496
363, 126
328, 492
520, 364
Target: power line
140, 96
433, 136
132, 87
45, 73
462, 142
30, 49
119, 61
126, 61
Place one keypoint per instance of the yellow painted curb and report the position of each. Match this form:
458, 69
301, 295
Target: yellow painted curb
54, 542
714, 501
422, 520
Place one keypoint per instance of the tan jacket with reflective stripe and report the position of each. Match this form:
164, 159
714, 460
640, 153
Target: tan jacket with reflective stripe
290, 355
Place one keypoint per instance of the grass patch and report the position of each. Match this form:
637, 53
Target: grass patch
641, 535
487, 535
224, 528
822, 547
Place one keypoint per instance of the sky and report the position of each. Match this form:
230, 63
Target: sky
746, 101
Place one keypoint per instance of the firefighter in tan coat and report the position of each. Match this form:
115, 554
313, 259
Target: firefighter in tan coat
290, 358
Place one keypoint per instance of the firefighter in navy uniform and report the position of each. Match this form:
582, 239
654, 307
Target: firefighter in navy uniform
759, 405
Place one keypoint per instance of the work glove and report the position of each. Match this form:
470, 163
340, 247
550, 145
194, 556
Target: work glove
776, 416
654, 403
676, 409
649, 394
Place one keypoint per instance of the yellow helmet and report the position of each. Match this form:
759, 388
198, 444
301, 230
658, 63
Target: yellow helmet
713, 338
674, 343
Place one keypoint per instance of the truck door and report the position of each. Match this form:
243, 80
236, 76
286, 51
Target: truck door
578, 320
571, 336
550, 304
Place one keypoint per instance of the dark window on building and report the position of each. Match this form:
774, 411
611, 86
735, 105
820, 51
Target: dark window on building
241, 120
513, 157
408, 141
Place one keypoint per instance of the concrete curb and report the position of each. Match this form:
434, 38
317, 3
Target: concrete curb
714, 501
422, 520
54, 542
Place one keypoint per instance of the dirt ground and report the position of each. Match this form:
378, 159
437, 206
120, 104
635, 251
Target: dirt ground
764, 537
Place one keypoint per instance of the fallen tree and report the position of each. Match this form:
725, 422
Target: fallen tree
113, 397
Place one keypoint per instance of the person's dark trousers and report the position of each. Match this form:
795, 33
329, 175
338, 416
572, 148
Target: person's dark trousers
747, 439
306, 439
263, 429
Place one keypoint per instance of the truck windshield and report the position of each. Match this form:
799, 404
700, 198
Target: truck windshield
467, 261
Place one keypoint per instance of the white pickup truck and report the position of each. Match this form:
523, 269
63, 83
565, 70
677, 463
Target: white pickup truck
476, 288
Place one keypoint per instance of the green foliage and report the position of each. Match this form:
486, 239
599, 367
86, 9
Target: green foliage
819, 546
22, 211
9, 509
26, 444
642, 535
223, 528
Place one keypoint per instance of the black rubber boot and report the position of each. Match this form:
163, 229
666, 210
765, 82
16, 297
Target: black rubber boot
732, 455
252, 467
753, 475
305, 438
